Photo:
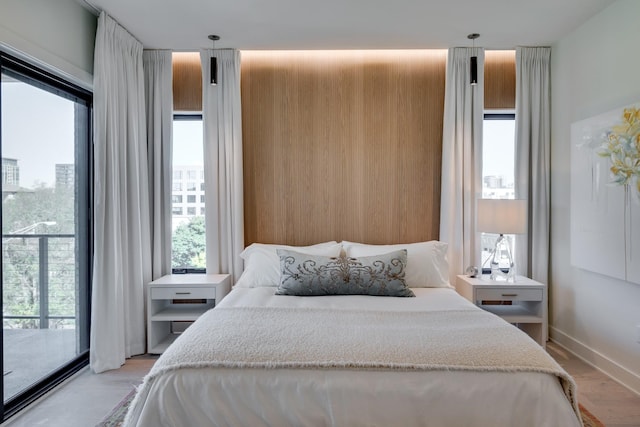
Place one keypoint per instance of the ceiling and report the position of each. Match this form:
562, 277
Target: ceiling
348, 24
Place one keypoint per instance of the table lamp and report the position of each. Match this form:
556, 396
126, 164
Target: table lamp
502, 216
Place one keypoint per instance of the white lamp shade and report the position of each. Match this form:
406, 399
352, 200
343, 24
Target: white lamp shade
502, 216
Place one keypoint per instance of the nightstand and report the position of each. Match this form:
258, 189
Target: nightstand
522, 303
175, 301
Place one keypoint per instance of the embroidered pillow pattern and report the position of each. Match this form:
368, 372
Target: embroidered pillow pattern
312, 275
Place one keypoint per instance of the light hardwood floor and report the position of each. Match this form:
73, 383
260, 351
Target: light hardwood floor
85, 399
613, 404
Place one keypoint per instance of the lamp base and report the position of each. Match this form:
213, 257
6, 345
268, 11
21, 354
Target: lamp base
502, 265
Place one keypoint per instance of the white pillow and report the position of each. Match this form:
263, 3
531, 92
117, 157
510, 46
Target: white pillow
262, 263
427, 265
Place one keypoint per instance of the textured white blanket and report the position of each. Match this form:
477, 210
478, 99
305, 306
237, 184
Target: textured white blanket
261, 337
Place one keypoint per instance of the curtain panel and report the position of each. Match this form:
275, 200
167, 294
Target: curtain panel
122, 241
158, 78
533, 145
133, 108
222, 127
461, 159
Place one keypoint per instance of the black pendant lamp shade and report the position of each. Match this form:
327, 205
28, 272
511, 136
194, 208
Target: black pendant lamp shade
214, 71
474, 70
214, 63
474, 60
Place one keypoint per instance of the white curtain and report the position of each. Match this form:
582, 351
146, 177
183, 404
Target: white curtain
222, 122
122, 248
533, 145
158, 76
461, 159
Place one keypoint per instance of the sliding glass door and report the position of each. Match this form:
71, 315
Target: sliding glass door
46, 181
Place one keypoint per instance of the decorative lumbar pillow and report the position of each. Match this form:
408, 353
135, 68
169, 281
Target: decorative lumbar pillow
314, 275
262, 265
427, 265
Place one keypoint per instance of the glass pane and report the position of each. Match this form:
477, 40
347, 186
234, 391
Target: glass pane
40, 273
498, 171
498, 159
188, 243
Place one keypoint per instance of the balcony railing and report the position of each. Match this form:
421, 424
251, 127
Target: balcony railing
39, 280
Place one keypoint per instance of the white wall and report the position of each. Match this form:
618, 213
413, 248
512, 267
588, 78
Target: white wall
58, 35
594, 70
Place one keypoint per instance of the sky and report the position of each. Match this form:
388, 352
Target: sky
498, 149
187, 142
38, 130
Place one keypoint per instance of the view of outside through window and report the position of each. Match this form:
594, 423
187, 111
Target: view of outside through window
188, 241
498, 169
39, 255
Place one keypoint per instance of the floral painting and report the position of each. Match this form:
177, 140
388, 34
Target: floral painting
605, 194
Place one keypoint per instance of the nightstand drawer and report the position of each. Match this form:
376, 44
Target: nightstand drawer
508, 294
183, 293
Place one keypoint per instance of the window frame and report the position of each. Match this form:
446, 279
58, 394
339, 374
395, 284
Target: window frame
187, 117
497, 115
84, 176
501, 115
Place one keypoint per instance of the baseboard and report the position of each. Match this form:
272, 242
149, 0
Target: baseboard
596, 359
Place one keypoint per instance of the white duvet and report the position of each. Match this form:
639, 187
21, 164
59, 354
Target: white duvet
196, 383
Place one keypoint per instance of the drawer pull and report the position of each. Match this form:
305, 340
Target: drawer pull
509, 295
183, 293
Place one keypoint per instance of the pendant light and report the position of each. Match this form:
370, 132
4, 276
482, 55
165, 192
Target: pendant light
474, 60
214, 62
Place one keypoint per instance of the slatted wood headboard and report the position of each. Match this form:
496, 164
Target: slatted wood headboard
342, 145
346, 145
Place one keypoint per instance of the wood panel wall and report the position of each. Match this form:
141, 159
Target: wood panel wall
187, 81
500, 79
342, 145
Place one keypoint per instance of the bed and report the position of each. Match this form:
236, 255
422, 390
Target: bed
267, 357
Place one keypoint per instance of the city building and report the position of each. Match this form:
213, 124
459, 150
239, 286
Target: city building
65, 173
11, 178
10, 172
187, 195
495, 187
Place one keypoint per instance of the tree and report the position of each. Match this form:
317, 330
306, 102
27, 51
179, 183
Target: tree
188, 245
43, 204
20, 256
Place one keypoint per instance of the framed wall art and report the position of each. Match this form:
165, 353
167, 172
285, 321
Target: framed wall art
605, 193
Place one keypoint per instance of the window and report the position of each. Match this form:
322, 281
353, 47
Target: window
498, 156
202, 198
498, 166
188, 241
202, 185
46, 146
176, 186
177, 175
176, 199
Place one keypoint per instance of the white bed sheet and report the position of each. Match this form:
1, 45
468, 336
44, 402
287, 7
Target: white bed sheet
342, 397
